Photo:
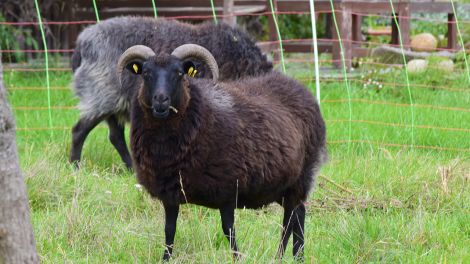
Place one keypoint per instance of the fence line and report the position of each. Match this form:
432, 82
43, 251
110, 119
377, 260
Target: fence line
370, 122
345, 75
330, 142
388, 124
278, 35
408, 88
43, 35
355, 100
303, 79
265, 13
280, 41
326, 40
460, 39
360, 100
371, 142
288, 60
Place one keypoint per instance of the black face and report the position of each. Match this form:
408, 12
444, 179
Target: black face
162, 83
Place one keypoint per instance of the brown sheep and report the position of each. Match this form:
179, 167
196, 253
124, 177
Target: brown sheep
227, 145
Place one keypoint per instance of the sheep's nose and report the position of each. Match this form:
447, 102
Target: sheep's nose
161, 102
161, 98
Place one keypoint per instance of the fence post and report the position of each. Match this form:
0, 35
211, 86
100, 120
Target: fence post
228, 13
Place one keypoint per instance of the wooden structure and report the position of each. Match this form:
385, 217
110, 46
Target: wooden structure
348, 17
226, 10
348, 14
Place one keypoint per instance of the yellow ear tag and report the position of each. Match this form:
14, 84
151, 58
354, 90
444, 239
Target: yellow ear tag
136, 68
194, 73
190, 71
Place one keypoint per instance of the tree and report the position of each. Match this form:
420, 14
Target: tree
17, 244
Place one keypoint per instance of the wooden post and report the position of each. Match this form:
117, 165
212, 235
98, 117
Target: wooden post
394, 38
403, 18
329, 27
272, 32
344, 21
451, 31
72, 28
229, 15
405, 23
356, 30
17, 244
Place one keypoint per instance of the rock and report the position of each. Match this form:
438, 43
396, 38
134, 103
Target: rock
445, 65
394, 55
417, 66
423, 42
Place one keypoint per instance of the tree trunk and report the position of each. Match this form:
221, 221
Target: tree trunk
17, 243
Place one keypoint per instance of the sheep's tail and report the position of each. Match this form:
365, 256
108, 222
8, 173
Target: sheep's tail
76, 59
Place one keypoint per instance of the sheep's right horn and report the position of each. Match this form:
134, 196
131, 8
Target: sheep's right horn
137, 52
193, 50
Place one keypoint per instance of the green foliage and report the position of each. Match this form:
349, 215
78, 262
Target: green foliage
460, 59
429, 23
295, 26
298, 26
10, 37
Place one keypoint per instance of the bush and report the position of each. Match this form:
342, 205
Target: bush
10, 39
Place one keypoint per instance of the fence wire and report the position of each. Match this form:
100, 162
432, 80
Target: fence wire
350, 82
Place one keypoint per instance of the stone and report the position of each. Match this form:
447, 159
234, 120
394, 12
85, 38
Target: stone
423, 42
417, 66
445, 65
394, 55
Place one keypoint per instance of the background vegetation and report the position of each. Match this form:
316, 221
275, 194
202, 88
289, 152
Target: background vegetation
373, 202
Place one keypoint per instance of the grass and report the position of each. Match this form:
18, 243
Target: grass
375, 202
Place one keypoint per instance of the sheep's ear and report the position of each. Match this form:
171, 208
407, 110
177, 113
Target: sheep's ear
189, 68
135, 67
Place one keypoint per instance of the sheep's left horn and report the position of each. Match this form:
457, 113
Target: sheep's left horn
193, 50
136, 52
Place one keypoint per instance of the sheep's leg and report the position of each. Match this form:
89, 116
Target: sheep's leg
287, 224
79, 133
298, 231
171, 215
227, 214
117, 138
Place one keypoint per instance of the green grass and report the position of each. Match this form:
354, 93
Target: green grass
392, 206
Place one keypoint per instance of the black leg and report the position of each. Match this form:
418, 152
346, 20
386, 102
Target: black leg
298, 232
227, 214
287, 224
79, 133
116, 136
171, 215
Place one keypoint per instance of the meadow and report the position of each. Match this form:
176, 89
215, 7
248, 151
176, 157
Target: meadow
396, 188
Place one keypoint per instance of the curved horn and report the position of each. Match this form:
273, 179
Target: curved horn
135, 52
193, 50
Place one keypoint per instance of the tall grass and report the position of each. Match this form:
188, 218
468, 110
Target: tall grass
373, 203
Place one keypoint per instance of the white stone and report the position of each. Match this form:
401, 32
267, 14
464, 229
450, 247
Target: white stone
417, 66
445, 65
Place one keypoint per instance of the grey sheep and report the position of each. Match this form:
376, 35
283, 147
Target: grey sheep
95, 81
223, 145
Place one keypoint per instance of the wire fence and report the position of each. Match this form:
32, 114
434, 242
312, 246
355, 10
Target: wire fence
421, 107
